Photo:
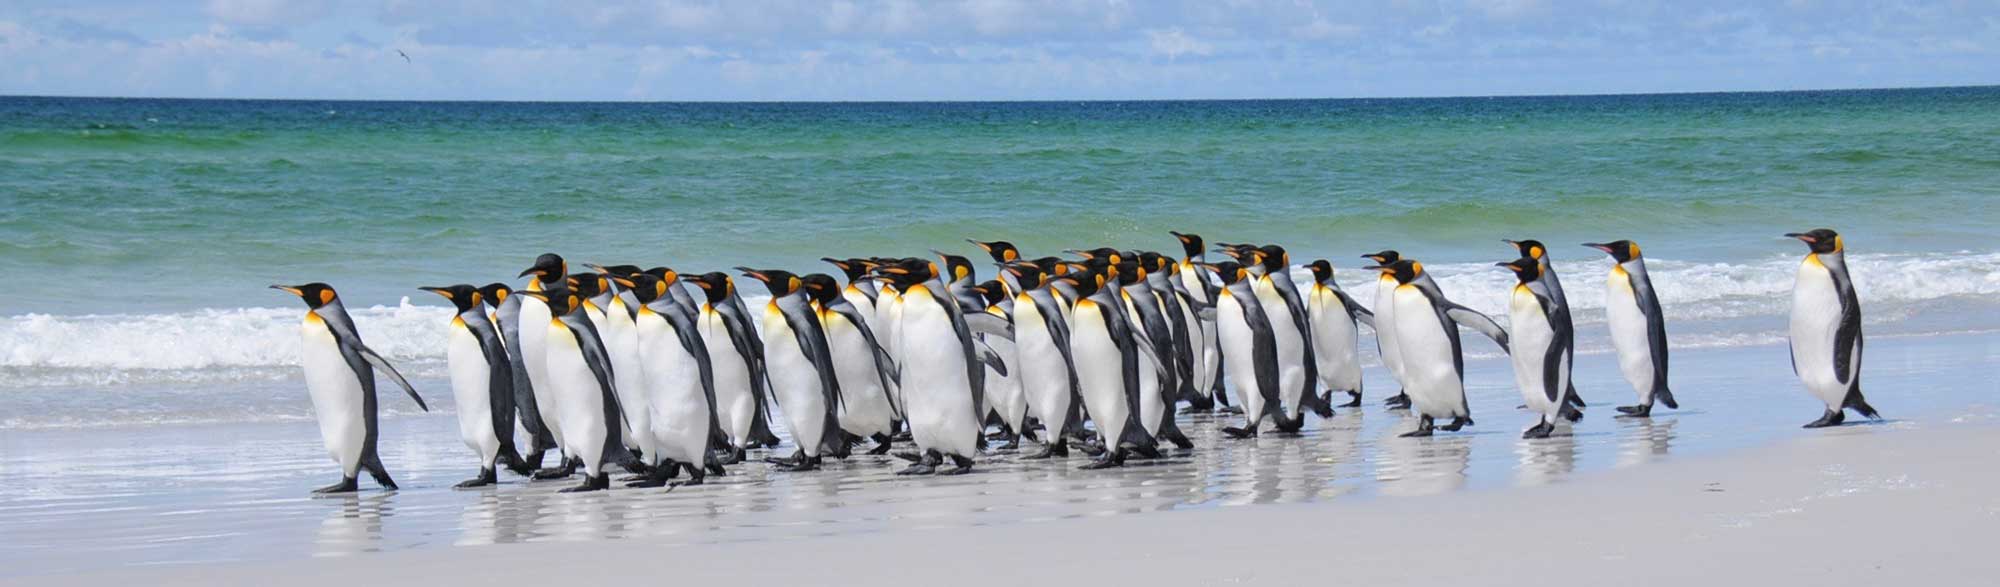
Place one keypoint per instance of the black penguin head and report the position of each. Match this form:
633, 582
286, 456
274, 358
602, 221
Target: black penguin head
820, 287
1245, 255
666, 274
956, 267
1322, 270
614, 270
1190, 244
645, 287
854, 269
1028, 274
495, 293
781, 283
1276, 260
1051, 266
716, 285
1001, 251
547, 268
587, 285
1384, 258
907, 273
1620, 251
1404, 270
1086, 282
561, 299
1154, 262
1530, 248
463, 296
1528, 269
1108, 254
1129, 272
1823, 241
1229, 272
991, 290
315, 294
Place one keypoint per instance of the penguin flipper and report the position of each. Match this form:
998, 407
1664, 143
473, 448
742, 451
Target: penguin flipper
343, 331
1481, 323
987, 324
812, 341
885, 366
1354, 310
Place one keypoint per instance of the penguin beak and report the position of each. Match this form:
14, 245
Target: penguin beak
754, 274
1809, 239
704, 284
988, 247
623, 282
437, 290
288, 289
598, 268
835, 262
531, 271
1599, 246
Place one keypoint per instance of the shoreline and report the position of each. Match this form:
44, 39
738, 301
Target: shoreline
1850, 506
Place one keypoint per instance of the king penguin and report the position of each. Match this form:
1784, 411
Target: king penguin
1249, 349
507, 316
800, 369
862, 368
1826, 328
340, 377
941, 371
1183, 317
1533, 249
1003, 252
736, 361
1334, 317
613, 318
1046, 371
549, 268
482, 385
1108, 364
1638, 329
1385, 333
1146, 319
1540, 346
1427, 337
1192, 282
1003, 389
581, 375
679, 382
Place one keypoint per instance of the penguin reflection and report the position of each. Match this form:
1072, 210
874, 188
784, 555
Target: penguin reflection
1425, 466
353, 526
1643, 440
1544, 460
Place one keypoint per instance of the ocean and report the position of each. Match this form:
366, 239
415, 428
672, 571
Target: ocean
138, 235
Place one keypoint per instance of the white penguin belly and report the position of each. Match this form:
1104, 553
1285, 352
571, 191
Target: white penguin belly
1815, 324
1238, 342
336, 395
1044, 377
1385, 331
889, 307
864, 405
939, 398
1334, 336
1430, 374
1100, 372
1003, 392
471, 382
1531, 339
1291, 347
735, 405
1628, 334
678, 405
795, 383
1151, 404
534, 357
581, 397
621, 342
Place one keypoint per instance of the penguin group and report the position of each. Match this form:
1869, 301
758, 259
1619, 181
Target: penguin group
1096, 350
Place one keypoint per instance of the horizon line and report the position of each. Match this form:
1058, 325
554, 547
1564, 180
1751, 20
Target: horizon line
4, 96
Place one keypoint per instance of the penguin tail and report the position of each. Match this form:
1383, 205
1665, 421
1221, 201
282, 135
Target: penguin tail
1855, 402
1666, 396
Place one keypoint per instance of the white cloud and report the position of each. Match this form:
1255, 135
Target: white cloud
1174, 43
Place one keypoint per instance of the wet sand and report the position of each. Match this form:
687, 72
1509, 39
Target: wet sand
228, 502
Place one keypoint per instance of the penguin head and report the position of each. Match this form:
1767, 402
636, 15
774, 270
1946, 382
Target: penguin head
1530, 248
645, 287
1620, 251
1051, 266
781, 283
666, 274
1086, 282
1404, 270
854, 269
315, 294
1190, 244
587, 285
1108, 254
1229, 272
463, 296
820, 287
548, 267
956, 267
561, 299
1384, 258
1155, 262
1276, 259
1322, 270
614, 270
495, 293
1824, 241
716, 285
991, 290
1128, 272
908, 272
1028, 274
1528, 269
1002, 251
1238, 251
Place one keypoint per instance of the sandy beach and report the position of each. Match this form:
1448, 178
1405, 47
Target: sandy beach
1858, 505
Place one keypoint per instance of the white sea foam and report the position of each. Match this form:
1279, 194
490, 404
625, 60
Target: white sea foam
262, 344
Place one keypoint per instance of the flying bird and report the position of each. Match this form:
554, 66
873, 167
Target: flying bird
406, 56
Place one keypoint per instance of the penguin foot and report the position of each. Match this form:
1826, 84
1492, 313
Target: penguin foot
802, 464
902, 436
1424, 426
1353, 401
1571, 413
1240, 433
1232, 410
1456, 423
1640, 411
1059, 448
635, 467
732, 456
909, 456
486, 477
1108, 462
598, 483
1539, 430
552, 473
961, 466
1093, 450
917, 469
346, 485
1832, 418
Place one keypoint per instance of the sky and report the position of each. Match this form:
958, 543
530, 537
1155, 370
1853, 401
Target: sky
982, 49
